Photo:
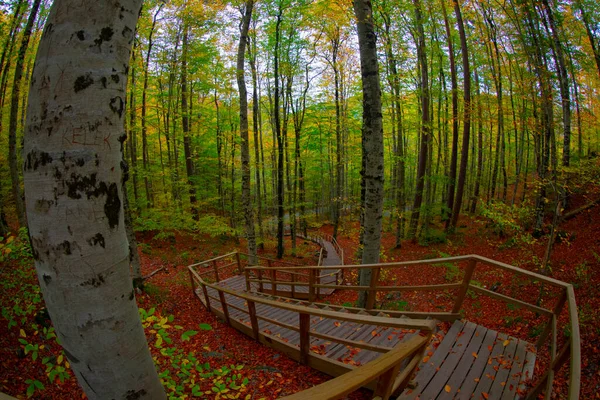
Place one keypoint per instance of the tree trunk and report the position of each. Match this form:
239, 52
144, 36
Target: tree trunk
185, 125
372, 132
133, 128
145, 157
256, 128
245, 146
464, 159
14, 115
454, 154
279, 137
425, 121
73, 187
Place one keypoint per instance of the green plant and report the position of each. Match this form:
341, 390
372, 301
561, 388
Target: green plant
16, 248
158, 294
452, 270
182, 373
432, 236
508, 221
34, 385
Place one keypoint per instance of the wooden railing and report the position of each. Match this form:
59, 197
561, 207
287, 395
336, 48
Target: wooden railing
548, 338
388, 370
385, 369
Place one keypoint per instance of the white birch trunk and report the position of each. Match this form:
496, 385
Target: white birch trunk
72, 170
372, 132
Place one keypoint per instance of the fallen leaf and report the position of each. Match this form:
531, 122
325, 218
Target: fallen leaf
506, 342
474, 355
447, 388
485, 395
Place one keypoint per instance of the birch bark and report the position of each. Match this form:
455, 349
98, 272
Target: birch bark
73, 185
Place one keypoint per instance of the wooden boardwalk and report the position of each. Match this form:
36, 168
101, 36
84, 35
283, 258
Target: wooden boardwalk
401, 350
470, 360
474, 362
332, 276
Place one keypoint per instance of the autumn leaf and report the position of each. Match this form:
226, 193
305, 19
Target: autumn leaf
447, 388
485, 395
474, 355
506, 342
337, 324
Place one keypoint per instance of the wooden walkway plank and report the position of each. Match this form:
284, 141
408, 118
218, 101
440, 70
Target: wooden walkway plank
505, 364
438, 385
493, 365
474, 375
428, 368
466, 362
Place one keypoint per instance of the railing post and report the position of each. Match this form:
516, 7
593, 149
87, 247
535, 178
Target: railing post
253, 319
372, 295
465, 286
293, 280
260, 280
216, 268
205, 291
311, 285
273, 278
385, 383
224, 306
247, 275
239, 263
557, 310
193, 282
304, 322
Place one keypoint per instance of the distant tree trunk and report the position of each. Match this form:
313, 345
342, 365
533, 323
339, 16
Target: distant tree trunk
454, 154
7, 51
185, 125
133, 127
464, 159
372, 132
14, 116
425, 121
245, 146
563, 79
585, 16
145, 157
4, 228
256, 129
134, 256
219, 140
479, 145
279, 137
337, 193
81, 255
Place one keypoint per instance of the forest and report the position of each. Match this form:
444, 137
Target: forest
404, 130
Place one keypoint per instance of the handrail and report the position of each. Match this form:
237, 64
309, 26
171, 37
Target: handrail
572, 349
384, 367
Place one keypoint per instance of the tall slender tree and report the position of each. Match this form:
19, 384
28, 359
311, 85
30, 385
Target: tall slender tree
372, 133
245, 145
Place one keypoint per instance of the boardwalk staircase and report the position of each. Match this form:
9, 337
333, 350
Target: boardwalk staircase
391, 351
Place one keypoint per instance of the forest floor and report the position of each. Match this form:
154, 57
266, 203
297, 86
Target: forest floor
232, 365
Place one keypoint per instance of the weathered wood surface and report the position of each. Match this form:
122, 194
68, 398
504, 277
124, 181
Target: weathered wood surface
474, 362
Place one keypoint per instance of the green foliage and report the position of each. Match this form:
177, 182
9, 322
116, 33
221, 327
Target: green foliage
215, 226
452, 270
34, 385
159, 294
509, 222
16, 248
432, 236
183, 373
